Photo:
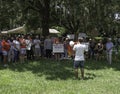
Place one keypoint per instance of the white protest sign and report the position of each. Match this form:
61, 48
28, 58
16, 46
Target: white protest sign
58, 48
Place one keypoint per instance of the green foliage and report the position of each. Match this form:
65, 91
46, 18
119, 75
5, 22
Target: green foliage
10, 14
74, 15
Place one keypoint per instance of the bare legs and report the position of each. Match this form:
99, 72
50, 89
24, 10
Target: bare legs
82, 73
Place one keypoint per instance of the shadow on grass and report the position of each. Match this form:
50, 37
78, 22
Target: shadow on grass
89, 76
103, 64
63, 70
50, 69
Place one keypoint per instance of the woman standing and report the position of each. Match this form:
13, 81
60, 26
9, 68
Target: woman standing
99, 49
5, 49
22, 49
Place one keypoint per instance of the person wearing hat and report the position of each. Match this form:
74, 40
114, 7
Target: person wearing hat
109, 46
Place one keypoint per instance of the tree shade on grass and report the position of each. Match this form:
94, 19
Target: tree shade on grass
52, 77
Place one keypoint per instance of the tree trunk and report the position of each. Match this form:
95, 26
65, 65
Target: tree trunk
45, 18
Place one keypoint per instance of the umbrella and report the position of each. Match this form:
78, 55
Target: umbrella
15, 30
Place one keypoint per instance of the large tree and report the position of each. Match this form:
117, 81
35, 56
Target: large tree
9, 14
40, 8
75, 15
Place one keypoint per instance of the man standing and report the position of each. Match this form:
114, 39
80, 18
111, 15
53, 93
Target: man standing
79, 59
48, 44
109, 46
16, 44
37, 43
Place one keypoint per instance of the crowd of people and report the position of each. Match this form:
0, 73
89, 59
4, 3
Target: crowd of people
18, 48
94, 48
103, 49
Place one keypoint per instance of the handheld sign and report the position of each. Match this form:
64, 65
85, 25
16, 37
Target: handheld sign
58, 48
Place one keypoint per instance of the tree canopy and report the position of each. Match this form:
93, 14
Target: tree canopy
73, 15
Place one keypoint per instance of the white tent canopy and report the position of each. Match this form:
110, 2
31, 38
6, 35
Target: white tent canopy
54, 31
15, 30
4, 32
22, 30
82, 35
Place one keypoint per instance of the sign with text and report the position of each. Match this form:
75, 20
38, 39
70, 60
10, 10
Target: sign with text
58, 48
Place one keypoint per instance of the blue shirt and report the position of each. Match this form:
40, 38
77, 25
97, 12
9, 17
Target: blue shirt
109, 46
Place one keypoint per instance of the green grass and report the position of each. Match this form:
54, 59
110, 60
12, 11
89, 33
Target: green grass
51, 77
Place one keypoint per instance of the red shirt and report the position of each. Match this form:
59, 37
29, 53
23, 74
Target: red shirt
5, 45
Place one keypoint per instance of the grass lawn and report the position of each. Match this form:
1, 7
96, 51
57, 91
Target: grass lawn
51, 77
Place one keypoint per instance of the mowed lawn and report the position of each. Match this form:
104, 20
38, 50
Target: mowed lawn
51, 77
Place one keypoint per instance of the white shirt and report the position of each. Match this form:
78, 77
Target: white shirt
79, 52
17, 45
28, 44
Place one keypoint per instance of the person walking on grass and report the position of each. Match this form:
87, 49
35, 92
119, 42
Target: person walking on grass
79, 50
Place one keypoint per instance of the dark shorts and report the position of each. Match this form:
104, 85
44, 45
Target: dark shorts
78, 64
